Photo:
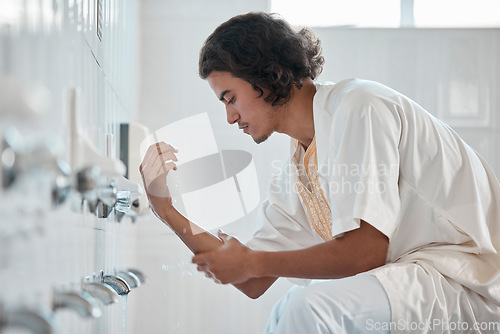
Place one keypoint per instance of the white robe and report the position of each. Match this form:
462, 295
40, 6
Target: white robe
385, 160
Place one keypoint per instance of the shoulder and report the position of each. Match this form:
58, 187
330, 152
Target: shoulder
356, 97
359, 106
354, 94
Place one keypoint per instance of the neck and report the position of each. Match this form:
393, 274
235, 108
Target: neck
296, 117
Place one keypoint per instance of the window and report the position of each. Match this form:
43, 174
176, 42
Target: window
321, 13
390, 13
457, 13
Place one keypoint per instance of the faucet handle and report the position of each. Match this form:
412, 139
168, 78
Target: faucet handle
123, 201
129, 197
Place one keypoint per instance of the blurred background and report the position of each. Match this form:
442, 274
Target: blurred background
83, 82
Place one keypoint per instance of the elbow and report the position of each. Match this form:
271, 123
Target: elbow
373, 250
255, 288
365, 265
253, 293
374, 260
370, 258
375, 263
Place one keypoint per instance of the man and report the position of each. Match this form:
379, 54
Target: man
394, 218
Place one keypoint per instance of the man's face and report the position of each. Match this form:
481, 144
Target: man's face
244, 105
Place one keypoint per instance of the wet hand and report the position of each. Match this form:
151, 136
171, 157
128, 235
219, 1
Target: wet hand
158, 161
228, 263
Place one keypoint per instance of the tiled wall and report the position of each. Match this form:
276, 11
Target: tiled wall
50, 51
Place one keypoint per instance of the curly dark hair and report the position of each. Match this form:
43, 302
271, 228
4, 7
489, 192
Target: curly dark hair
264, 50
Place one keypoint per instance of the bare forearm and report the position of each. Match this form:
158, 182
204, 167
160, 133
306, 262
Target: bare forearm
255, 287
194, 237
308, 263
352, 254
199, 241
158, 161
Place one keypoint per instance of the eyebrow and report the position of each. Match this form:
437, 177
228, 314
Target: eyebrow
221, 96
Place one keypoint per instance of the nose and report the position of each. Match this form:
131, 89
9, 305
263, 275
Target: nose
232, 115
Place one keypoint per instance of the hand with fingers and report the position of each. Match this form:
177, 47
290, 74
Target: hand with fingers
229, 263
158, 161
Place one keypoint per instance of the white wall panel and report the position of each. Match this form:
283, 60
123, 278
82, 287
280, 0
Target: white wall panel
52, 46
453, 73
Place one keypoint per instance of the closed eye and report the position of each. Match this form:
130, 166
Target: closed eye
222, 97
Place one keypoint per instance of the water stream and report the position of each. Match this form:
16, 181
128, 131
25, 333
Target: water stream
124, 325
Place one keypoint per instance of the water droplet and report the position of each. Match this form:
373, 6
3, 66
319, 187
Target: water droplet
187, 273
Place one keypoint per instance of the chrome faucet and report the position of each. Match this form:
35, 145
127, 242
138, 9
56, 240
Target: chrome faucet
18, 157
119, 284
132, 280
140, 275
102, 291
118, 195
106, 199
123, 202
63, 183
39, 321
80, 301
87, 182
106, 193
128, 199
100, 196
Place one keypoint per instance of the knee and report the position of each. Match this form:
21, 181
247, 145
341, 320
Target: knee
306, 310
302, 301
336, 306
